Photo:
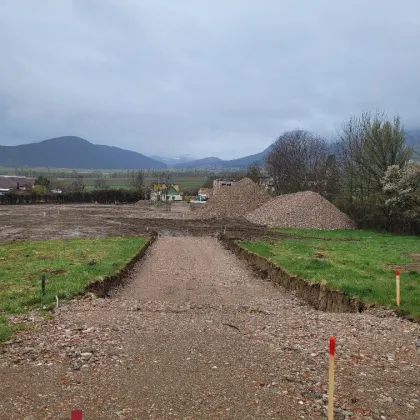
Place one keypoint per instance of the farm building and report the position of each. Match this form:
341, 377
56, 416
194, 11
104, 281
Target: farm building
9, 183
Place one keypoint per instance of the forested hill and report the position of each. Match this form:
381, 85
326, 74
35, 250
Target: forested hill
74, 152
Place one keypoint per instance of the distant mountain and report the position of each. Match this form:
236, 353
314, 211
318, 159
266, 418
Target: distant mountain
75, 152
412, 136
413, 139
215, 162
174, 160
201, 163
247, 160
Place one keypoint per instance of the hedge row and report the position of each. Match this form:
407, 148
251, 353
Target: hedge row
97, 196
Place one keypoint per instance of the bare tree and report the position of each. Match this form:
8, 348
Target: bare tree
137, 181
254, 171
78, 184
100, 184
297, 162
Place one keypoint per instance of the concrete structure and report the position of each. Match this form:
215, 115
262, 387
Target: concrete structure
218, 184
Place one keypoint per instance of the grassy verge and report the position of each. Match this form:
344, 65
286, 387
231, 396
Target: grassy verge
361, 263
68, 265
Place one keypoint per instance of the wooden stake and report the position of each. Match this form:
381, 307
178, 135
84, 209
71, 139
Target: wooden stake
43, 278
331, 380
397, 279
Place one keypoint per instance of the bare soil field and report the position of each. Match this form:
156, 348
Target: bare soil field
41, 222
194, 335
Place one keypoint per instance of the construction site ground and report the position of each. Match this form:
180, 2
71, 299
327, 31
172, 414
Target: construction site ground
195, 335
43, 222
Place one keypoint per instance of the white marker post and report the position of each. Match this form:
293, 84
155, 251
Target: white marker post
397, 280
331, 380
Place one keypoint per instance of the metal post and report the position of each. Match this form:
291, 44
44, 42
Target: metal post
43, 278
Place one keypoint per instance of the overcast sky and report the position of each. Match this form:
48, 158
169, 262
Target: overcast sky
205, 77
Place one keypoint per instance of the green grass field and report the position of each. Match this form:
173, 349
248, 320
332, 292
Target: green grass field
68, 265
116, 183
361, 263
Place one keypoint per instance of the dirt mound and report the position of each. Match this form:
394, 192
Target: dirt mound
306, 210
235, 201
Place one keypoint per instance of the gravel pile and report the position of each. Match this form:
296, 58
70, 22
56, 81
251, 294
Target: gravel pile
306, 210
235, 201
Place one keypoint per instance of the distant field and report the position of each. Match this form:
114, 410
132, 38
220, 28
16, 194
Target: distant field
90, 182
7, 170
361, 263
68, 265
187, 183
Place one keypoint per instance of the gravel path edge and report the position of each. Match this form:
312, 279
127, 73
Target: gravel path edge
317, 295
102, 287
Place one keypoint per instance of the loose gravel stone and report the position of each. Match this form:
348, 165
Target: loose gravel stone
304, 210
241, 198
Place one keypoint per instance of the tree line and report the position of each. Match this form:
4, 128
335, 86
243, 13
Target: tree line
109, 196
368, 171
113, 174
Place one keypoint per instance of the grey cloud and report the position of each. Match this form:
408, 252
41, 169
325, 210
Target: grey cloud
209, 78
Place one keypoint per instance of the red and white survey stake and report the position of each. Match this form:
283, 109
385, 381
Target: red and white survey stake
397, 280
331, 380
76, 415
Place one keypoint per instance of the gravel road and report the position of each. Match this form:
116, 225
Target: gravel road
195, 335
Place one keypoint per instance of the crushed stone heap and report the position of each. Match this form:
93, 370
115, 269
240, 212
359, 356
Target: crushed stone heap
235, 201
304, 210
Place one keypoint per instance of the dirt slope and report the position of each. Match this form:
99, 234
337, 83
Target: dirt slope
196, 336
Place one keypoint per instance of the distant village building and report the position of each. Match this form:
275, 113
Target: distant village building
10, 183
163, 185
208, 192
165, 191
218, 184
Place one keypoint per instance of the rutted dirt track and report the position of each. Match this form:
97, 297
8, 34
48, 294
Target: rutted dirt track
195, 335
